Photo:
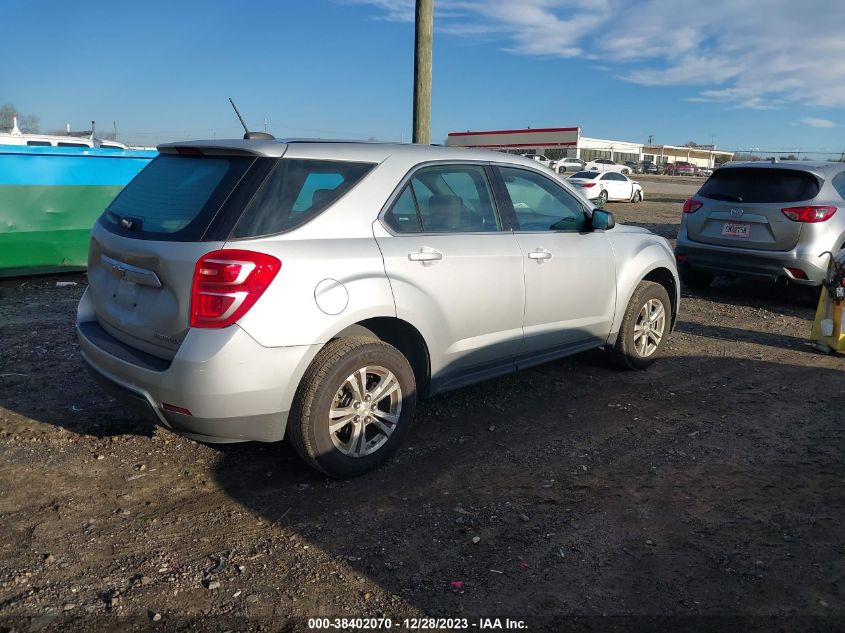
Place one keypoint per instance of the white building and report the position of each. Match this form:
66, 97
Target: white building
567, 141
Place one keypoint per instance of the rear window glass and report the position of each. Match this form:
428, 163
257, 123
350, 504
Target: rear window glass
838, 183
175, 197
755, 184
296, 191
585, 174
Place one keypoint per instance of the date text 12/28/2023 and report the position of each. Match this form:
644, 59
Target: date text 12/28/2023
416, 624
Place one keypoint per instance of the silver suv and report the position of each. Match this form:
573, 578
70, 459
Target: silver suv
261, 290
770, 220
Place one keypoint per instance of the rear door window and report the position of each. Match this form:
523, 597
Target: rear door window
296, 191
760, 184
403, 216
175, 197
445, 199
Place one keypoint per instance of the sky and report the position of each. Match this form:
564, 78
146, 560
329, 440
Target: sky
765, 75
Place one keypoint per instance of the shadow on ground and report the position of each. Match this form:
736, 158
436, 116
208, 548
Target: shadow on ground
578, 489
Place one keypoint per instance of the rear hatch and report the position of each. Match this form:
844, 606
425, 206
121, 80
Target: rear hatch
145, 246
742, 207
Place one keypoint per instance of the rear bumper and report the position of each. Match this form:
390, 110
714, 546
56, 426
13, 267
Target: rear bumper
235, 389
768, 265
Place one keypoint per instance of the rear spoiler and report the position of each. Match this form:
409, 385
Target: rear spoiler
234, 147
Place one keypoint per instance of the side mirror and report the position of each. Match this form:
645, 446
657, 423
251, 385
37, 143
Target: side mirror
603, 220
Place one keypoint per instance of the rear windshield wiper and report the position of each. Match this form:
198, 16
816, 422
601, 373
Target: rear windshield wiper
127, 222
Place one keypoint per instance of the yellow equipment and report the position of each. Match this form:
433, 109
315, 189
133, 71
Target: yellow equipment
829, 326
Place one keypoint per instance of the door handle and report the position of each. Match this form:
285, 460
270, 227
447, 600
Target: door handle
540, 255
425, 256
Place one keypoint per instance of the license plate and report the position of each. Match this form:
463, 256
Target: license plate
732, 229
126, 294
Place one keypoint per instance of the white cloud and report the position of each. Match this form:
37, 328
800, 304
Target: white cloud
814, 122
743, 53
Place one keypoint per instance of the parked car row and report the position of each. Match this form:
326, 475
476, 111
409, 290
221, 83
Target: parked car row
569, 164
313, 291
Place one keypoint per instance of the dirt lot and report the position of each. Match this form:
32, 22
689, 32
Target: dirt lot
707, 489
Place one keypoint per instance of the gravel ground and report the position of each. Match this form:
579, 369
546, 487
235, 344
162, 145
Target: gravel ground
703, 494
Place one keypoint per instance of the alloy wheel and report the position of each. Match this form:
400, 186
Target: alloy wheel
365, 411
649, 328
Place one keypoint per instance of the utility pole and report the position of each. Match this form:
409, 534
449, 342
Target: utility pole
423, 36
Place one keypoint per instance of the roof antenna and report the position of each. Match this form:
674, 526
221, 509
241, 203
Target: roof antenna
247, 134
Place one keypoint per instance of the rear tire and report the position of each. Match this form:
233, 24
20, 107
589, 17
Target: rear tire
602, 199
645, 327
695, 279
341, 423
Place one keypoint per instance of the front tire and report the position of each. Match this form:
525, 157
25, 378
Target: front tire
637, 197
353, 407
645, 327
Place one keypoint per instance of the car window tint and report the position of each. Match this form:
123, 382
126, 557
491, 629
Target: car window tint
541, 205
296, 191
454, 199
760, 184
315, 181
403, 216
170, 192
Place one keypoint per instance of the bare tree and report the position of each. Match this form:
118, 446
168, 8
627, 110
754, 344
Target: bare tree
7, 111
27, 123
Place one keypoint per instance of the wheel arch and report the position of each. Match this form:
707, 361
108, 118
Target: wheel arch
665, 278
644, 259
401, 335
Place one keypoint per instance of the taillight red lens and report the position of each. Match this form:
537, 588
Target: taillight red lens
587, 185
227, 284
692, 205
809, 214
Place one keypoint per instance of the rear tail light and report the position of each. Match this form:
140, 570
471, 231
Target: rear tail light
692, 205
680, 258
587, 185
227, 284
809, 214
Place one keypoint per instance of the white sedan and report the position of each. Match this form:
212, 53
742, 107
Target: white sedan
601, 186
568, 164
605, 164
